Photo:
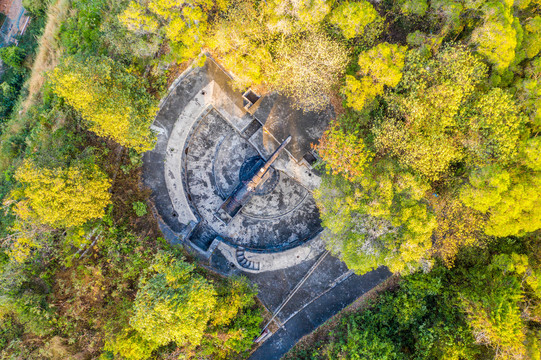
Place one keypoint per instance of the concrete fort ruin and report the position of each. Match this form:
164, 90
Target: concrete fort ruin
232, 179
212, 140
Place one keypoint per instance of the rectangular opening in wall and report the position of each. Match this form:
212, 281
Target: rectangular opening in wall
252, 128
310, 158
251, 96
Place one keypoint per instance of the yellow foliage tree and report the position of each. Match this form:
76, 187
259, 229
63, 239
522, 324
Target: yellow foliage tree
532, 153
485, 188
497, 126
383, 63
240, 39
427, 125
380, 66
280, 45
458, 227
352, 17
308, 68
183, 22
496, 39
519, 211
60, 197
428, 155
303, 14
112, 100
360, 92
511, 201
25, 239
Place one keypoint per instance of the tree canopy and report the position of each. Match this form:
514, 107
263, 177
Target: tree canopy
61, 197
431, 168
109, 98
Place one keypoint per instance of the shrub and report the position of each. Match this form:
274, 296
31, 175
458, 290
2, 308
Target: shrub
140, 208
13, 56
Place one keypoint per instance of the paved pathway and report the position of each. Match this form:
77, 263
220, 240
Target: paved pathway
317, 312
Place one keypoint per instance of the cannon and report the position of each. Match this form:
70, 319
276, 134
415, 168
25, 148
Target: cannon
246, 188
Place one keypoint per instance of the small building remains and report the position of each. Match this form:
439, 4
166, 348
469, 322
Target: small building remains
14, 20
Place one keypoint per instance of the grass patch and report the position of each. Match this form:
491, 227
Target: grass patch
323, 334
50, 50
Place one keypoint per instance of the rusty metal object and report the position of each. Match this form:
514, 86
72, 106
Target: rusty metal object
246, 189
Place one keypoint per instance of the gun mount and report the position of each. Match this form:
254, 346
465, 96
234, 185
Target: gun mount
247, 188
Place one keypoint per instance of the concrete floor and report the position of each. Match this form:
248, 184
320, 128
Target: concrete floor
283, 217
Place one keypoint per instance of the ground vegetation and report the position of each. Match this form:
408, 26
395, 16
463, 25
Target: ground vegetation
431, 168
84, 270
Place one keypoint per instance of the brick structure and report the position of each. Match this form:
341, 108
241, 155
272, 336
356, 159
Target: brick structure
5, 5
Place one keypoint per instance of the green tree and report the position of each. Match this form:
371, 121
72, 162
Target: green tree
415, 7
532, 37
491, 298
380, 220
452, 13
131, 345
234, 323
380, 66
482, 308
112, 100
174, 304
532, 153
36, 7
496, 39
528, 93
417, 319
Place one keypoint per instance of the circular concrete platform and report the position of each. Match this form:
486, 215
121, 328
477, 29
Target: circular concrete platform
206, 143
280, 216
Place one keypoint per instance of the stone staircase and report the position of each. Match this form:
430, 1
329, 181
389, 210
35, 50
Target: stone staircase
245, 263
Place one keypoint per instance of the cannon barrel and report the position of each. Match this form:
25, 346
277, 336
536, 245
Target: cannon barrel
245, 190
255, 181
